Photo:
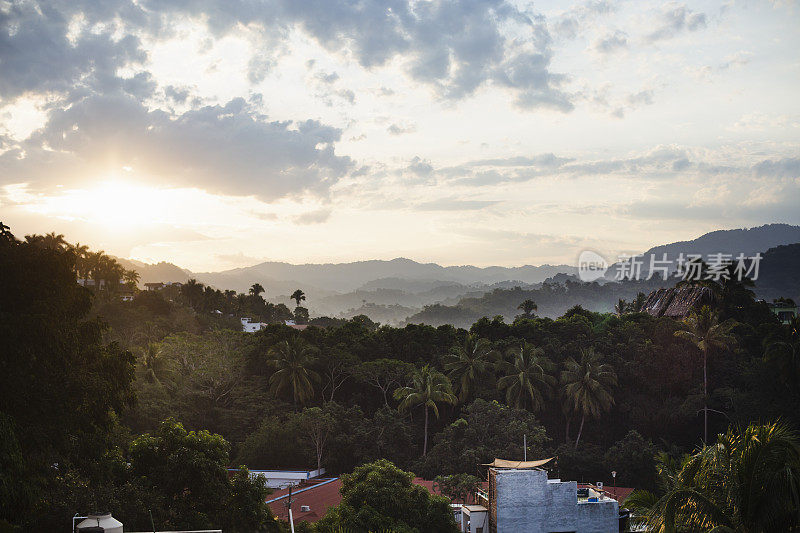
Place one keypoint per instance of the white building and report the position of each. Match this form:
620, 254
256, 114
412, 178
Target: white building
248, 326
280, 479
521, 498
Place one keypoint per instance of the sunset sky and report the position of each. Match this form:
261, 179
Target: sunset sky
220, 133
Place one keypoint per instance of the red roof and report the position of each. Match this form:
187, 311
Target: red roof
319, 495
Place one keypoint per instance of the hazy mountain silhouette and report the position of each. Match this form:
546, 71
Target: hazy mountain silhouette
343, 289
735, 241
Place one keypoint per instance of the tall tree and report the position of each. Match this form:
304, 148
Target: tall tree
336, 367
428, 388
192, 291
154, 363
526, 377
298, 296
316, 424
468, 363
383, 374
256, 289
528, 307
292, 360
707, 333
587, 385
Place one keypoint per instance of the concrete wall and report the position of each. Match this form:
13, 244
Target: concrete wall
528, 501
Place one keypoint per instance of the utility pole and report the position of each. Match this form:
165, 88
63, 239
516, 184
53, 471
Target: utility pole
289, 505
614, 476
525, 447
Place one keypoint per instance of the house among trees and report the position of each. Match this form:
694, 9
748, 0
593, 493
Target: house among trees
520, 497
248, 326
785, 309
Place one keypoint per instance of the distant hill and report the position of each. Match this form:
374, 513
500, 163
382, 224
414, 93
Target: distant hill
735, 241
779, 273
399, 273
387, 289
152, 273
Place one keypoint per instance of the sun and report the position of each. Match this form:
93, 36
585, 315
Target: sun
112, 203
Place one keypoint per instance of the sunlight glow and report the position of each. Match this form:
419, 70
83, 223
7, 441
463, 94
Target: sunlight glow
114, 204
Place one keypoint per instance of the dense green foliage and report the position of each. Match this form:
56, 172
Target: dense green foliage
381, 497
749, 481
62, 448
599, 391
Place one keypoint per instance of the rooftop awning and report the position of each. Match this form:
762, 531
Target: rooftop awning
503, 463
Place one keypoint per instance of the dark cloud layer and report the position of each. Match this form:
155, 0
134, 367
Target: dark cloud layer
455, 46
227, 148
73, 51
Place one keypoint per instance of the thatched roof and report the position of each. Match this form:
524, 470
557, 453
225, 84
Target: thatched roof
503, 463
677, 302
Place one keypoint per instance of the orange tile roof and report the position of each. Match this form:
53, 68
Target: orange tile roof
319, 494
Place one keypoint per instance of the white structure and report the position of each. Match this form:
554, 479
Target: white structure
289, 322
106, 521
474, 519
278, 479
523, 499
248, 326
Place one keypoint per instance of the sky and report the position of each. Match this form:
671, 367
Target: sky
221, 133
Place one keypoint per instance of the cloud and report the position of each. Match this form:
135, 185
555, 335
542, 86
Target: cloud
541, 161
455, 204
674, 19
239, 259
662, 163
782, 168
571, 23
229, 149
66, 46
644, 97
397, 129
313, 217
739, 59
612, 42
453, 46
420, 167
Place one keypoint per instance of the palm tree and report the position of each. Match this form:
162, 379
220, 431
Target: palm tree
130, 277
706, 332
192, 291
80, 251
154, 363
528, 307
468, 363
621, 307
428, 388
748, 481
297, 296
256, 289
293, 360
526, 378
51, 240
587, 386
